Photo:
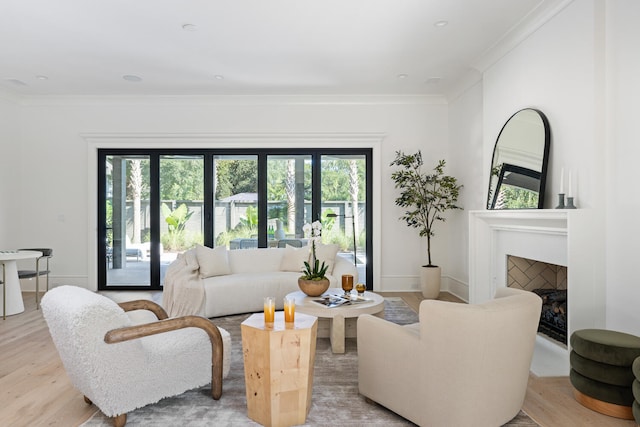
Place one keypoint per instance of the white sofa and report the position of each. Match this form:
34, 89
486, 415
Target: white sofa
219, 282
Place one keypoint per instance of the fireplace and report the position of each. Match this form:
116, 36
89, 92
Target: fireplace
564, 238
549, 281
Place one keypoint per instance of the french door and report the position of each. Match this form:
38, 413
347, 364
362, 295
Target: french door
155, 204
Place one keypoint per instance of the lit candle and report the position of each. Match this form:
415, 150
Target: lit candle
562, 181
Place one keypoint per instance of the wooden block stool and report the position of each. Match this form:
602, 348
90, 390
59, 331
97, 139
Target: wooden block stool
278, 368
601, 370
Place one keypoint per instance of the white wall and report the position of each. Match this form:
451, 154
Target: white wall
53, 158
467, 164
554, 70
559, 70
9, 143
623, 155
581, 70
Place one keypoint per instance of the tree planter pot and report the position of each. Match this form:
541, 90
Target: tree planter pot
313, 288
430, 278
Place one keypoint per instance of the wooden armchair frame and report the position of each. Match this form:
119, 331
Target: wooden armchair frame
164, 324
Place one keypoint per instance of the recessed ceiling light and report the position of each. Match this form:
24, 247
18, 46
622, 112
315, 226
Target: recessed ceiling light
441, 23
432, 80
132, 78
41, 77
219, 77
402, 76
189, 27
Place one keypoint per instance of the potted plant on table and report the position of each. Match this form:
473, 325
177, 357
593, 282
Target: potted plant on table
426, 196
314, 281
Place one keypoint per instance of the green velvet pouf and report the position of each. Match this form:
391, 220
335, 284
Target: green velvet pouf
636, 389
635, 409
601, 391
636, 368
603, 372
610, 347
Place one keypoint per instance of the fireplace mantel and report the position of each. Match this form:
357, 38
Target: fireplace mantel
562, 237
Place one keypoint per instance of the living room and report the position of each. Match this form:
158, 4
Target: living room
576, 63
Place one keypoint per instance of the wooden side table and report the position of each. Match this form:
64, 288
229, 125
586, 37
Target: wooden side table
278, 368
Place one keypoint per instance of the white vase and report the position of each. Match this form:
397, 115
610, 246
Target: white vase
430, 278
279, 234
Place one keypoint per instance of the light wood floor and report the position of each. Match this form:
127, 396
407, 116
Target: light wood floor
35, 391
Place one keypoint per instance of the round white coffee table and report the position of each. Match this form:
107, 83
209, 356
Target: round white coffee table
337, 316
13, 303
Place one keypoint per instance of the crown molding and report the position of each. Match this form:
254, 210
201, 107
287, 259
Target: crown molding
236, 100
538, 17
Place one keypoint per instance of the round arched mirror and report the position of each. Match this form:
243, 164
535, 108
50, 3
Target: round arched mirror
519, 164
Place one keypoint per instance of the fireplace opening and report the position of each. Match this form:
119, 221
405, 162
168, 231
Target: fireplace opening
549, 281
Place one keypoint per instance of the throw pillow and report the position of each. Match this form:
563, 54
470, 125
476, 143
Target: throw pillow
293, 258
327, 254
213, 262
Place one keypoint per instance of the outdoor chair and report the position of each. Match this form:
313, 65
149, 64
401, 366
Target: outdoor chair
47, 253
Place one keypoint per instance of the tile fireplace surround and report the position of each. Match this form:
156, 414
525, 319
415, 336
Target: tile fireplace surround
562, 237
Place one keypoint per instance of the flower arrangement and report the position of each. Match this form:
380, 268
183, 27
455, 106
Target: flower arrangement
313, 270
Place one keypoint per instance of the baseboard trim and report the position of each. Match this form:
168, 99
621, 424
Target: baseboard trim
455, 287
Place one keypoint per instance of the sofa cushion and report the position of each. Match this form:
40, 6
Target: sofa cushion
244, 292
213, 262
293, 259
255, 260
327, 254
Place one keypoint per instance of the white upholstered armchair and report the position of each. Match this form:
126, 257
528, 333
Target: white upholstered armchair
461, 365
120, 366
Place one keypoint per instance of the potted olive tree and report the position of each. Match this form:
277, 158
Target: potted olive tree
426, 197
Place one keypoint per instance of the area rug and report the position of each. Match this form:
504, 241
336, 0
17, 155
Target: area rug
335, 398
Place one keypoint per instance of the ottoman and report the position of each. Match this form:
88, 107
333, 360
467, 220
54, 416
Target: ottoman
601, 370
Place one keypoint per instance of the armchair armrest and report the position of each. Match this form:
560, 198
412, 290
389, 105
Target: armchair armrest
144, 304
166, 325
388, 362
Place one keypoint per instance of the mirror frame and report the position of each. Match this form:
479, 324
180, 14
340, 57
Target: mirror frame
542, 175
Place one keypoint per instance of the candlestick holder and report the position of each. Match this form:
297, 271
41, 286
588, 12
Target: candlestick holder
560, 201
570, 204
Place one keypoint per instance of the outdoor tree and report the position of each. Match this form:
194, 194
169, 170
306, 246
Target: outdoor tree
135, 184
236, 176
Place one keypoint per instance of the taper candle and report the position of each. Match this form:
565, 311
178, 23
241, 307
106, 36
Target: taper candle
570, 186
562, 181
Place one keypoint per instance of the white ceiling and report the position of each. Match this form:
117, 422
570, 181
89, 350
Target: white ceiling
353, 47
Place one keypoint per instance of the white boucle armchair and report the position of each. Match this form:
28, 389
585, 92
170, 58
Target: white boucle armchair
120, 366
461, 365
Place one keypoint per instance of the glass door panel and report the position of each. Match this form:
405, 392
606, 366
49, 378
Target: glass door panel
288, 199
235, 223
343, 186
127, 221
181, 206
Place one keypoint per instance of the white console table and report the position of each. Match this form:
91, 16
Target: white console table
13, 304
